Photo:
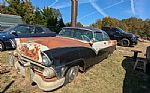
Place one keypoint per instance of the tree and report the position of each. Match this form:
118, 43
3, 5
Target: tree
134, 24
68, 24
108, 21
97, 24
78, 24
22, 8
38, 17
28, 12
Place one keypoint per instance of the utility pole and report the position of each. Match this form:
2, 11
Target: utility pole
74, 12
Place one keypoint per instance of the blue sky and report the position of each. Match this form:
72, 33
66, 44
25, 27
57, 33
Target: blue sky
91, 10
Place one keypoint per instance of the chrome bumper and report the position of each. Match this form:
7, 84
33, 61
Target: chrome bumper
46, 86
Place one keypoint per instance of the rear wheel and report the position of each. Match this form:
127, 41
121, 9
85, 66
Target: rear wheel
1, 46
125, 42
71, 74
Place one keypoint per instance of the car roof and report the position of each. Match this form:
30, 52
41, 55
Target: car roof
85, 28
31, 25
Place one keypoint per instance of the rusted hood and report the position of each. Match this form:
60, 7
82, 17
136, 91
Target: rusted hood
32, 47
56, 42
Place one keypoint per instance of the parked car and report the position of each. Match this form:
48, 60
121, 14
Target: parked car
22, 31
7, 20
123, 38
55, 61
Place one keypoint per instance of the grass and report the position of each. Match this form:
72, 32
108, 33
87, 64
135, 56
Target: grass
113, 75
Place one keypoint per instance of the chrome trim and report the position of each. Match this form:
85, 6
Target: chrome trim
47, 86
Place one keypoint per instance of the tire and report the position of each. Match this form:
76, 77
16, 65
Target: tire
71, 74
1, 46
125, 42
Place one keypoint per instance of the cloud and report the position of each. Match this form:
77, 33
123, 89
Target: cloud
132, 7
103, 9
53, 3
142, 9
87, 15
62, 6
68, 4
114, 4
94, 4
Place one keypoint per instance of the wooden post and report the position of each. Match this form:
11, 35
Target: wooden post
74, 12
27, 72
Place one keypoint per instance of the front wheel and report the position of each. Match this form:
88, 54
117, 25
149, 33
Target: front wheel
1, 46
125, 42
71, 74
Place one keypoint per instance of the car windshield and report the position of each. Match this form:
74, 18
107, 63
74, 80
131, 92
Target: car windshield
8, 29
77, 34
120, 30
46, 30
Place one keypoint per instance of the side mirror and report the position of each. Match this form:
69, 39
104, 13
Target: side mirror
92, 41
13, 32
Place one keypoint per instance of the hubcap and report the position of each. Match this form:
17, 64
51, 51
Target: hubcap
1, 47
72, 74
125, 43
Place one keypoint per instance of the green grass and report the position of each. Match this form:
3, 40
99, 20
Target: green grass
113, 75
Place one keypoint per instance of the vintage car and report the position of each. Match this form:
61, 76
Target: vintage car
55, 61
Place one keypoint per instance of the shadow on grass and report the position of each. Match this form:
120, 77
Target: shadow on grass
7, 87
135, 81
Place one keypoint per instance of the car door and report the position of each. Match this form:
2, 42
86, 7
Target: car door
23, 31
40, 32
101, 45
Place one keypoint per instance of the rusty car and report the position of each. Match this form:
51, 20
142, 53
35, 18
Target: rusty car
55, 61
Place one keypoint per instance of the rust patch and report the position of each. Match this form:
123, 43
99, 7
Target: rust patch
55, 42
46, 79
33, 53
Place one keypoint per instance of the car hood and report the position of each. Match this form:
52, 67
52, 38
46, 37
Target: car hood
3, 33
32, 47
129, 34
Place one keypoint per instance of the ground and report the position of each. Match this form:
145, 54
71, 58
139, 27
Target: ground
113, 75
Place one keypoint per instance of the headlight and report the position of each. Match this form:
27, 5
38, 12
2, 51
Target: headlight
46, 61
48, 73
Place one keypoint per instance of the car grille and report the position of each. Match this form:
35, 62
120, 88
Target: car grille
34, 65
37, 68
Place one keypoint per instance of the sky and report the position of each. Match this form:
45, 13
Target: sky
91, 10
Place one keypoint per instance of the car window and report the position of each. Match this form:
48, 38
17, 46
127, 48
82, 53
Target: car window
98, 36
39, 30
112, 31
46, 30
83, 35
23, 29
105, 36
77, 33
65, 33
